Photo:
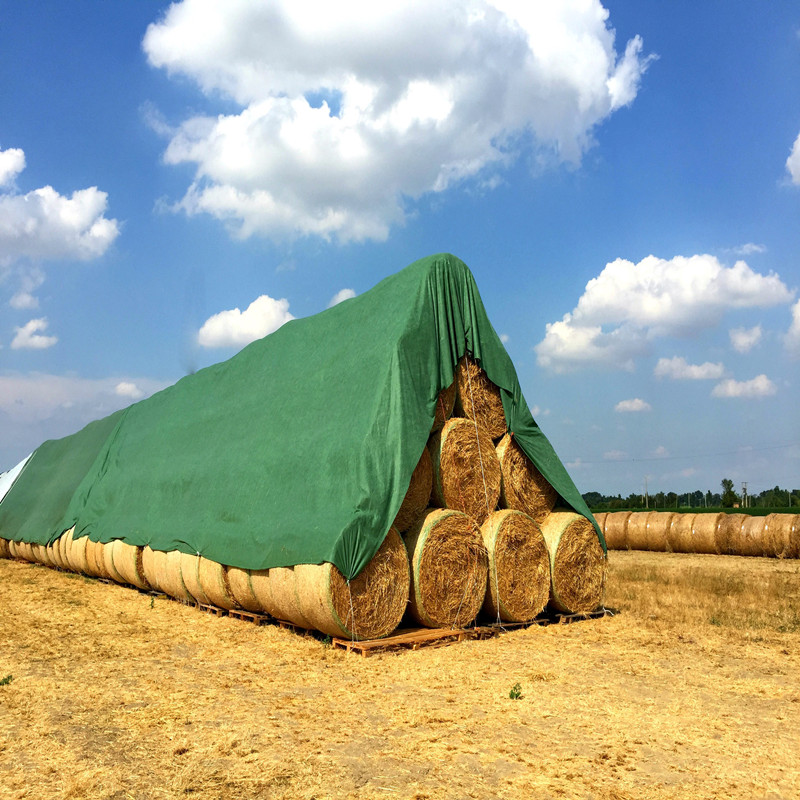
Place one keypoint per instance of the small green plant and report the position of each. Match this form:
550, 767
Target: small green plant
5, 681
516, 692
152, 602
327, 641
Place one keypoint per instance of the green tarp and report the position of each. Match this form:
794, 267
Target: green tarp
300, 448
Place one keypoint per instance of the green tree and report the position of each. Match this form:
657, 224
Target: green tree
729, 497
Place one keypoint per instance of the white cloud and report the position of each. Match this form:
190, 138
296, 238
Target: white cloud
537, 411
678, 369
504, 338
12, 162
629, 305
234, 328
340, 296
636, 404
128, 389
30, 336
615, 455
793, 162
760, 386
661, 452
348, 110
743, 340
791, 341
748, 249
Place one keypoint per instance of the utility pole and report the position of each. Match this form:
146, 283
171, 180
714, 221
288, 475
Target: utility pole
744, 494
646, 500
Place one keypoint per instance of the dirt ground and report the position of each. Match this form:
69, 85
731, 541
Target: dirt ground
688, 692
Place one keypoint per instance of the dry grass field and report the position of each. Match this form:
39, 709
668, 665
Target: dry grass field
691, 691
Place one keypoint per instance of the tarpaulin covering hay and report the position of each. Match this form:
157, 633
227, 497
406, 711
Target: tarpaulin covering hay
637, 536
522, 486
242, 591
728, 532
577, 563
190, 566
466, 470
704, 533
444, 407
749, 539
658, 525
128, 563
449, 568
477, 398
214, 581
615, 530
519, 567
679, 535
418, 495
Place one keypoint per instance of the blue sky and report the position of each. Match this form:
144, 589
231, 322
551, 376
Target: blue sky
623, 180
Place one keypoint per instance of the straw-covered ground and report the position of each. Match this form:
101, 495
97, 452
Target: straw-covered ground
691, 691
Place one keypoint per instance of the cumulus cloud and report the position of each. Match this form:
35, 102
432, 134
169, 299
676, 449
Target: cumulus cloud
128, 389
791, 340
677, 369
629, 305
31, 337
340, 296
235, 328
760, 386
743, 340
793, 162
636, 404
339, 124
12, 162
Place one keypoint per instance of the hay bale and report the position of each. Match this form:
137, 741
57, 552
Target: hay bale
444, 407
477, 398
94, 559
285, 603
449, 569
169, 576
25, 552
600, 519
50, 555
38, 554
4, 553
679, 535
704, 532
658, 525
370, 606
522, 486
615, 530
214, 582
58, 553
778, 535
519, 567
466, 470
108, 564
750, 539
77, 554
262, 591
793, 546
418, 495
242, 591
12, 549
728, 533
153, 567
577, 563
128, 561
190, 575
637, 538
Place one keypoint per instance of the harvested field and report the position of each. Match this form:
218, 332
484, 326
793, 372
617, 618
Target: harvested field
689, 692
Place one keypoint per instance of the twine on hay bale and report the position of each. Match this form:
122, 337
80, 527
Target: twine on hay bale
637, 530
445, 403
128, 561
519, 567
449, 569
658, 525
522, 486
728, 533
477, 398
214, 580
704, 533
153, 567
615, 530
370, 606
750, 540
680, 537
418, 495
169, 576
242, 591
466, 471
190, 575
577, 563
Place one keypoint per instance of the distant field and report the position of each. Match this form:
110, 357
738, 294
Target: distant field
691, 691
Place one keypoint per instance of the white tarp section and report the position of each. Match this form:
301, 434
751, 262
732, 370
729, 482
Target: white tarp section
7, 478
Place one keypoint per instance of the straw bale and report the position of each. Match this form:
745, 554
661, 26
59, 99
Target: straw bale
38, 554
58, 553
12, 549
4, 549
190, 575
637, 538
50, 555
242, 591
66, 550
169, 576
728, 533
793, 545
477, 398
600, 519
214, 581
94, 559
519, 567
418, 495
108, 564
449, 569
284, 599
615, 530
153, 567
522, 486
262, 591
577, 563
658, 525
77, 554
24, 552
128, 561
444, 407
704, 532
466, 470
370, 606
750, 541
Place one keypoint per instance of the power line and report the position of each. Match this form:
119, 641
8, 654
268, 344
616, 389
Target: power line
741, 451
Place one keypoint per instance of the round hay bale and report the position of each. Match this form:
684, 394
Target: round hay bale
214, 582
153, 567
600, 519
522, 486
449, 569
190, 575
704, 532
444, 407
793, 546
25, 552
615, 530
58, 553
169, 576
477, 398
577, 563
418, 495
12, 549
728, 533
370, 606
658, 525
284, 599
50, 555
750, 541
242, 591
679, 535
77, 554
519, 567
94, 559
128, 561
4, 549
110, 570
66, 550
778, 535
466, 470
637, 538
262, 591
38, 554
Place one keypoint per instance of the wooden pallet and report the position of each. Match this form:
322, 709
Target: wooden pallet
249, 616
413, 639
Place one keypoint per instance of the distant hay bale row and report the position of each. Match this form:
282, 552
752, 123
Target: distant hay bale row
773, 535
